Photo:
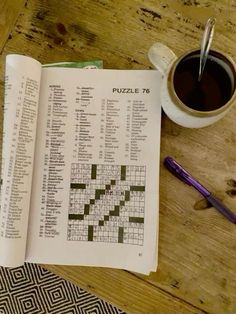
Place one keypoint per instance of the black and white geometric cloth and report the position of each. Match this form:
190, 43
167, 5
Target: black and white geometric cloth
31, 289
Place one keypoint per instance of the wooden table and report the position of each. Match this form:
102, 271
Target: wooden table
197, 246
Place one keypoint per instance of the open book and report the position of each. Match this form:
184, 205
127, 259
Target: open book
80, 166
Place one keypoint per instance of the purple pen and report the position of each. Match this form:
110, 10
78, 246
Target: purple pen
186, 177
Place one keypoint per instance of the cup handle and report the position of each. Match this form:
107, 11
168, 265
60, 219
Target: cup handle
161, 57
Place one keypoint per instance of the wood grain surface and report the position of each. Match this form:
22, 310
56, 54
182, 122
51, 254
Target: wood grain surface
197, 246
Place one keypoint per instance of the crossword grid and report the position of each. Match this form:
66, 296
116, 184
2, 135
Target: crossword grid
107, 203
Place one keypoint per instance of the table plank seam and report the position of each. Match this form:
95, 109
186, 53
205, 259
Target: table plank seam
169, 293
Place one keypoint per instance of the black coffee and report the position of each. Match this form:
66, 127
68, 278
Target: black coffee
212, 92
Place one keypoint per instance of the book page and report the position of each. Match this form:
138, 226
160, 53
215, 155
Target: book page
95, 189
19, 131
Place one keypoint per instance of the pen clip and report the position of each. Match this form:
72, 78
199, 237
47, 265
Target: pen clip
176, 170
184, 176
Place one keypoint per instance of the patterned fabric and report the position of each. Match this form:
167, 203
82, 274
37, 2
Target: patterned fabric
31, 289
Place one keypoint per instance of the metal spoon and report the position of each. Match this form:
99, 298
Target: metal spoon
205, 45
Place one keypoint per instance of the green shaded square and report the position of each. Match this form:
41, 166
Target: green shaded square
122, 203
121, 235
101, 223
94, 172
127, 196
92, 201
123, 173
115, 212
113, 182
108, 186
90, 233
106, 218
86, 209
76, 216
98, 193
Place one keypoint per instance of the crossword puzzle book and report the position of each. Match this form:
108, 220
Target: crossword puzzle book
80, 166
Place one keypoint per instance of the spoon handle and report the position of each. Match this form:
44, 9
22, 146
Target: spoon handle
205, 45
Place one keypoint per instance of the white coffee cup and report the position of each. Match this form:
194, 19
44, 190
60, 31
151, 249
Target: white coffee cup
165, 60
